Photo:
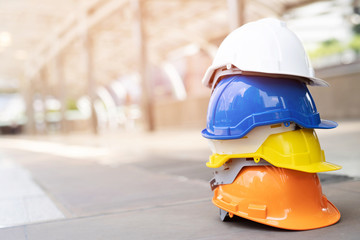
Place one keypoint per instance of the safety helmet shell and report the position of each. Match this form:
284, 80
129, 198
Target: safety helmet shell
278, 197
267, 47
240, 103
298, 150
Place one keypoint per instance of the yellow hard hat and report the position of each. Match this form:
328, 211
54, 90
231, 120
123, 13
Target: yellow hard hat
277, 197
299, 150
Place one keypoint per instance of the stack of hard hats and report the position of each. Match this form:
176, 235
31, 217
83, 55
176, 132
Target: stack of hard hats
260, 126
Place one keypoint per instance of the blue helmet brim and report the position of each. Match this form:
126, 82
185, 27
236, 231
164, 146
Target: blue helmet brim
324, 124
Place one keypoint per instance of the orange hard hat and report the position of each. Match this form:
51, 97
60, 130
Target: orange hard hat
277, 197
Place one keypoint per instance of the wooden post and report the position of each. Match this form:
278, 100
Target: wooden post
43, 85
88, 67
236, 13
28, 88
143, 64
61, 83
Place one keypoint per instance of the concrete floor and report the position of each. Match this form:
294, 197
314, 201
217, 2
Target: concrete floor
146, 186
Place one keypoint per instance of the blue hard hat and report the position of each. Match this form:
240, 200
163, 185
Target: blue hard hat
239, 103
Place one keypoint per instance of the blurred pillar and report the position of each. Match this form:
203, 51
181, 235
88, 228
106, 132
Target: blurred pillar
143, 64
89, 62
176, 81
61, 83
44, 91
88, 47
356, 6
29, 98
236, 13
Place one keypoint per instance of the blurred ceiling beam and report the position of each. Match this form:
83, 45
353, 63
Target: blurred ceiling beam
297, 4
68, 32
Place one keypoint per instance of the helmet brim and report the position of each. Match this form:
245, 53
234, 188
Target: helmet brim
318, 167
324, 124
311, 168
312, 81
330, 217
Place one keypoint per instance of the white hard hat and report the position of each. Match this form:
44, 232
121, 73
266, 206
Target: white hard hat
264, 47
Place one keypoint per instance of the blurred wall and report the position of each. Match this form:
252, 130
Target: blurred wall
189, 113
342, 99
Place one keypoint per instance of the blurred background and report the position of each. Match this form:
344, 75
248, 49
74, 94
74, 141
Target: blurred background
118, 66
101, 109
